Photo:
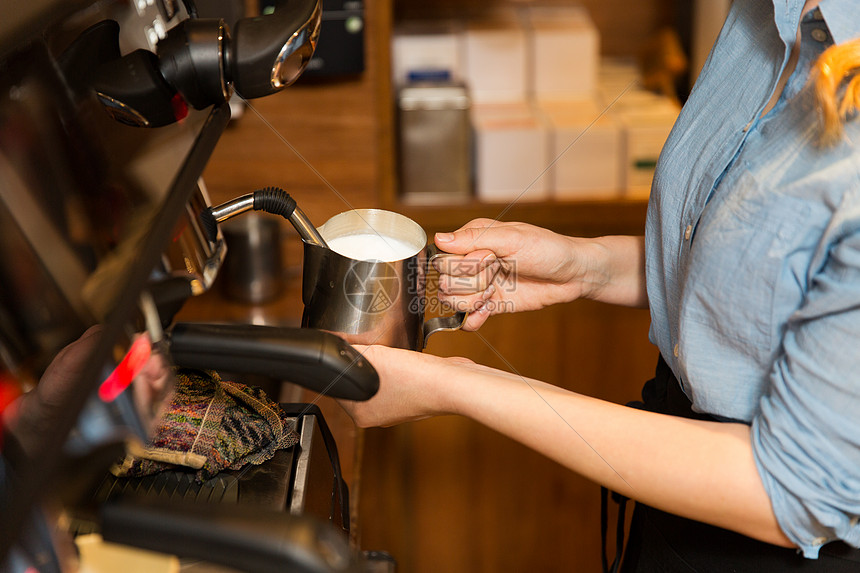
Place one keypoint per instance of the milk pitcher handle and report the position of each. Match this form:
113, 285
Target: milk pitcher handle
440, 323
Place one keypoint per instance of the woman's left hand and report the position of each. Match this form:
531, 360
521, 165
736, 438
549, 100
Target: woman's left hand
408, 386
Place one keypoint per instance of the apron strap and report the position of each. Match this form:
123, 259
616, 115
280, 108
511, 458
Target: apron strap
619, 529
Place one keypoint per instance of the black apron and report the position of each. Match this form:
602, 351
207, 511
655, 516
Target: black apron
660, 542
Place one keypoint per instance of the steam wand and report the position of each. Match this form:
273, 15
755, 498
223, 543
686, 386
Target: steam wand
270, 200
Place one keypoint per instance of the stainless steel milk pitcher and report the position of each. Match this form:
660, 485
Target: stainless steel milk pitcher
371, 301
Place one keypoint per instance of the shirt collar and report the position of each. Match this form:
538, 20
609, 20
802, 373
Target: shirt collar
842, 18
786, 15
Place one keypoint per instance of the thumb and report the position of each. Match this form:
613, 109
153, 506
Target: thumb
475, 320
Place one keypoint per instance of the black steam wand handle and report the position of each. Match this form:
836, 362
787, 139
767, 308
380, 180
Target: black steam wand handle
317, 360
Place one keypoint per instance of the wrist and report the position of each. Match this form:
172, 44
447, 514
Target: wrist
615, 270
589, 270
443, 388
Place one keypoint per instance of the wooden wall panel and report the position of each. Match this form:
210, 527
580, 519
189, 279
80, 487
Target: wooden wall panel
623, 24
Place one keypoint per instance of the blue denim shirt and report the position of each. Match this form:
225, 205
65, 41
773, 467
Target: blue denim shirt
753, 264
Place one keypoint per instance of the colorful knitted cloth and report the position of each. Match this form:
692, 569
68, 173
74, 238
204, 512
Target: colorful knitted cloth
211, 425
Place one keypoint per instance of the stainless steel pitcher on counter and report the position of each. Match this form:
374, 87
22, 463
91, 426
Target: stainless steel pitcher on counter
368, 299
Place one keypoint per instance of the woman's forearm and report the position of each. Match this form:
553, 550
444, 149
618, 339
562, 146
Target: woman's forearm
700, 470
617, 275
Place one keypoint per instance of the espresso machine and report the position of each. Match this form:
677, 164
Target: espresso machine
109, 111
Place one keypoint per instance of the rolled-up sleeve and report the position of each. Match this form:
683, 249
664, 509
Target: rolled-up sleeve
806, 436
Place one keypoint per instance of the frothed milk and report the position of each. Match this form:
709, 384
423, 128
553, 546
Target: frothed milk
371, 247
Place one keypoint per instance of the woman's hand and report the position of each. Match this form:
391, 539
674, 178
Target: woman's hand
408, 388
498, 267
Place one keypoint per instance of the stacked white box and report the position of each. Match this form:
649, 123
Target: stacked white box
570, 146
646, 121
617, 77
511, 153
585, 151
494, 60
423, 48
563, 53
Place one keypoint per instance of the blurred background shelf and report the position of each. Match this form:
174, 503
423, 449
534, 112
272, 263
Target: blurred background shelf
587, 217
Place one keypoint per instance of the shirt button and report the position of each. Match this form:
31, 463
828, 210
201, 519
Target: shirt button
676, 351
819, 541
817, 14
688, 232
819, 35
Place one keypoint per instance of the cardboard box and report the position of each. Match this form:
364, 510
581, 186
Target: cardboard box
494, 60
511, 153
646, 120
585, 151
616, 78
421, 51
563, 53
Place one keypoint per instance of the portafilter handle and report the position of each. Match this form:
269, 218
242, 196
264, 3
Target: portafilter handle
266, 54
197, 64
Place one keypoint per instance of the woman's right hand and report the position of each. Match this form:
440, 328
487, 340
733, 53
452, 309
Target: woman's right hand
498, 267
